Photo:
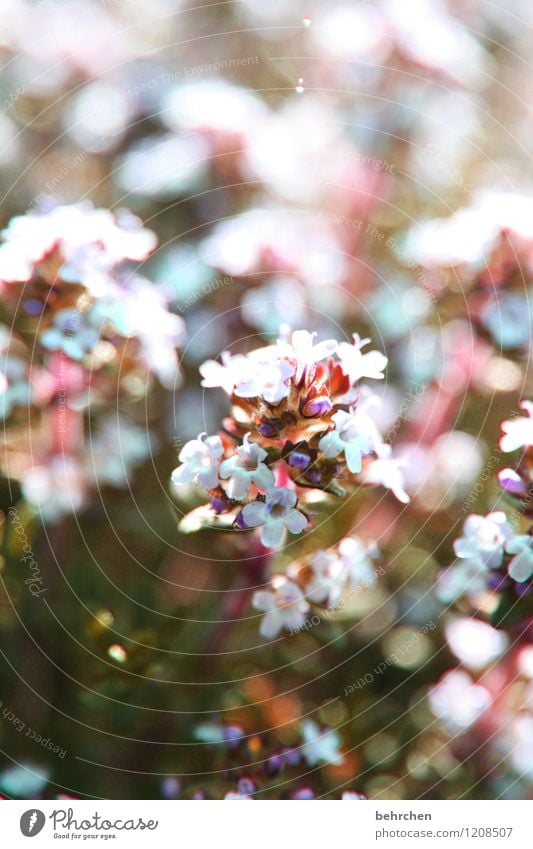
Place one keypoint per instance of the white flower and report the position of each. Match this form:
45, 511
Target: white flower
276, 515
464, 577
226, 375
521, 566
57, 488
457, 701
484, 537
302, 349
356, 365
518, 433
353, 796
200, 462
477, 644
386, 471
268, 380
348, 438
329, 578
246, 467
320, 745
284, 607
356, 558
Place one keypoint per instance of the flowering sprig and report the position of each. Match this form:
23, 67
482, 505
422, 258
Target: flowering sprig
300, 419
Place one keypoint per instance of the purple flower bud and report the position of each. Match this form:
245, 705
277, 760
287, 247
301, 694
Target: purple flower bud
170, 787
298, 459
233, 734
304, 793
512, 483
314, 476
274, 765
245, 786
269, 430
290, 756
318, 406
239, 521
497, 582
522, 589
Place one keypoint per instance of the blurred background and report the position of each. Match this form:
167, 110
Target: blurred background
335, 166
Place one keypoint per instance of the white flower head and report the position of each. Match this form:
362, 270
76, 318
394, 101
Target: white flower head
386, 471
347, 438
356, 365
227, 374
302, 348
521, 566
484, 537
284, 606
200, 459
276, 515
518, 433
329, 578
356, 557
246, 467
320, 745
268, 380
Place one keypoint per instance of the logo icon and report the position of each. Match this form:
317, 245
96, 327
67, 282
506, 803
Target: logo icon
32, 822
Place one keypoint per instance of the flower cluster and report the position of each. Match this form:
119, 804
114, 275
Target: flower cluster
300, 420
321, 578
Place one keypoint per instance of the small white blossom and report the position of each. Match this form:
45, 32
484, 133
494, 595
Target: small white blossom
276, 515
518, 433
484, 537
457, 701
356, 365
268, 381
464, 577
284, 607
329, 578
346, 438
521, 566
386, 470
227, 374
320, 745
200, 459
356, 558
246, 467
302, 349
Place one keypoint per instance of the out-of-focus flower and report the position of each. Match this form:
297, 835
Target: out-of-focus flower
284, 607
357, 559
232, 371
57, 488
457, 701
245, 468
321, 745
329, 578
474, 642
200, 459
386, 470
520, 567
484, 537
518, 432
275, 515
